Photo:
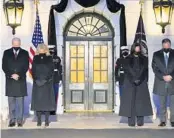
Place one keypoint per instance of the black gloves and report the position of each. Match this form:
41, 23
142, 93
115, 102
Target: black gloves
137, 82
40, 82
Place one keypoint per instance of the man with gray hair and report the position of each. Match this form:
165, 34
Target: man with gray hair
15, 64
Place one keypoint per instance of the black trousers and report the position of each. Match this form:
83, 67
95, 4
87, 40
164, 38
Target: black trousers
39, 114
132, 120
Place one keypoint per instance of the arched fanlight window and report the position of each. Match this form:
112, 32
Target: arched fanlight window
88, 25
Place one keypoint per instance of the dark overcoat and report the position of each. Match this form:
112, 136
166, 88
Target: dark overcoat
43, 98
160, 70
142, 97
12, 65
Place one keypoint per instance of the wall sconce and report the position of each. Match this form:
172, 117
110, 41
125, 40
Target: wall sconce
163, 12
13, 10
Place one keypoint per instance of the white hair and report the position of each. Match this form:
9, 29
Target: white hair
44, 47
16, 39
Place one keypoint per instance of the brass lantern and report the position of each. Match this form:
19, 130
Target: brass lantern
13, 10
163, 12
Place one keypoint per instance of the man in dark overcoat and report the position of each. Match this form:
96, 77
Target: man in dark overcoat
163, 67
15, 64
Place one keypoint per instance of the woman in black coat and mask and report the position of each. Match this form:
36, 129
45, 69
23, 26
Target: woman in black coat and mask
43, 99
135, 99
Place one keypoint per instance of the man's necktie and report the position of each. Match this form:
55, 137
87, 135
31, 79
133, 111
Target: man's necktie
15, 54
166, 59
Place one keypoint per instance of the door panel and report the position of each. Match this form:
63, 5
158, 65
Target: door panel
75, 86
100, 76
89, 83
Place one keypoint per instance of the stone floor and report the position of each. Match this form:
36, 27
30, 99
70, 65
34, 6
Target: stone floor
86, 121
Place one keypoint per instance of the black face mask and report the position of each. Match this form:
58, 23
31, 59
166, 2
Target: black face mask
166, 50
16, 48
137, 53
125, 54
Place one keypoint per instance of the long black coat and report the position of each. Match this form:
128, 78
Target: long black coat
12, 65
160, 70
43, 94
142, 98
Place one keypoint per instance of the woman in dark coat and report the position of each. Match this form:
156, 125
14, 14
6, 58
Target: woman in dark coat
135, 99
43, 99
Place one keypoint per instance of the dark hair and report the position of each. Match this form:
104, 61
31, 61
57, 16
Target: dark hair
134, 46
166, 40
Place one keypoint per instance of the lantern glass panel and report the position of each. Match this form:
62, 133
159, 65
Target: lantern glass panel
11, 15
165, 14
170, 17
157, 14
19, 15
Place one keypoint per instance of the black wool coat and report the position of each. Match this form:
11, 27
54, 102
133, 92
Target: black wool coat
43, 98
12, 65
160, 70
142, 97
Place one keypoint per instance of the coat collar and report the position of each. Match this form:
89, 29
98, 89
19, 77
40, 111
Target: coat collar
12, 53
161, 56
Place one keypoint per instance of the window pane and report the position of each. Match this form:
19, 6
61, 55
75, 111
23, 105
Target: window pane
104, 29
96, 51
104, 64
73, 77
96, 76
77, 24
73, 29
104, 76
73, 51
104, 51
81, 76
81, 63
105, 34
80, 51
94, 30
96, 63
72, 34
88, 20
82, 21
100, 24
73, 64
94, 21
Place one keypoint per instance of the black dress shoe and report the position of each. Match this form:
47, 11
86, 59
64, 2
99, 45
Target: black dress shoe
20, 125
131, 125
53, 113
162, 124
172, 124
12, 124
140, 124
39, 123
46, 124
